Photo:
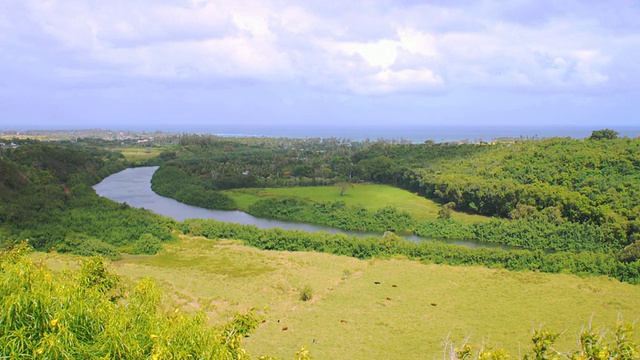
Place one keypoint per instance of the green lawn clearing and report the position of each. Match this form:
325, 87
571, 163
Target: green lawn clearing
368, 195
135, 154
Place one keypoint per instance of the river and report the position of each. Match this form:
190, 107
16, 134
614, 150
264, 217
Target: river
133, 186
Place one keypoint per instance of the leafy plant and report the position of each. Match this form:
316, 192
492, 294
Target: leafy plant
73, 315
147, 244
306, 293
592, 346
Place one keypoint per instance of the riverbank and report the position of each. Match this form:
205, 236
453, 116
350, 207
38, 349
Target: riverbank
133, 187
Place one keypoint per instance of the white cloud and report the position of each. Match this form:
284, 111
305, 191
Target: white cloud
422, 48
382, 53
389, 81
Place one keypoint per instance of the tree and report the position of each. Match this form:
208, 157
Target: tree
446, 210
342, 166
603, 134
523, 211
343, 185
630, 253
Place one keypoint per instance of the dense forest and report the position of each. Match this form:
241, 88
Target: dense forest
551, 194
47, 199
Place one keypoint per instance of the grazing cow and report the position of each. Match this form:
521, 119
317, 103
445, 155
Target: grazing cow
285, 328
394, 285
388, 298
343, 321
433, 304
377, 282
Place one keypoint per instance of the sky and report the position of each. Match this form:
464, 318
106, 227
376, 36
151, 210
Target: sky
200, 64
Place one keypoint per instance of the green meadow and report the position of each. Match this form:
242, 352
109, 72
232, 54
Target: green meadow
413, 311
138, 153
370, 196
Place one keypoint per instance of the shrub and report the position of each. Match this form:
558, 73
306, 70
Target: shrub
81, 244
446, 210
591, 346
306, 293
71, 315
346, 273
147, 244
630, 253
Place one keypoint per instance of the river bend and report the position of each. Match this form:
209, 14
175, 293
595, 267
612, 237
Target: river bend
133, 186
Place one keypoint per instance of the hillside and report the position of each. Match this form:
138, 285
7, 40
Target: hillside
351, 317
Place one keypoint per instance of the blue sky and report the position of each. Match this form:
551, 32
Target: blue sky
159, 64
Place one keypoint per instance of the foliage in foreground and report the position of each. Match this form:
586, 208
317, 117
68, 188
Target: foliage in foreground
592, 346
90, 314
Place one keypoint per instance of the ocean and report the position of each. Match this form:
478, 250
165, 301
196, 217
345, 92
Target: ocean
414, 134
405, 133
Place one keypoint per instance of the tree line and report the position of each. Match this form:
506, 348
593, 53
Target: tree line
582, 263
591, 186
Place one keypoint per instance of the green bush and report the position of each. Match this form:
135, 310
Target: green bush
445, 229
591, 344
446, 210
82, 244
147, 244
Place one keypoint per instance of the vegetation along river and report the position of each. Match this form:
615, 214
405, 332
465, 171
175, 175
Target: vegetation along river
133, 186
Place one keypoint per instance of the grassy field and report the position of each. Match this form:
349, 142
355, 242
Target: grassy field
368, 195
35, 137
351, 317
135, 154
